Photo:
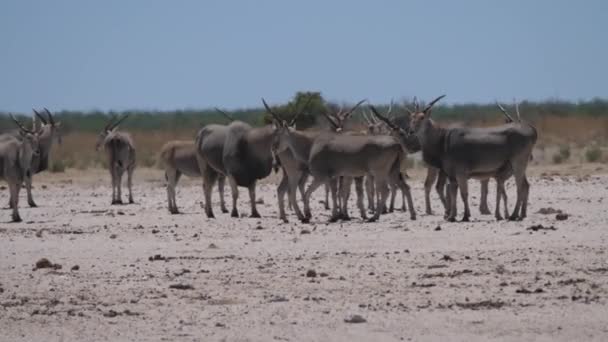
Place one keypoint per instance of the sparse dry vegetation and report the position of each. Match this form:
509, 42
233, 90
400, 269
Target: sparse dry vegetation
568, 132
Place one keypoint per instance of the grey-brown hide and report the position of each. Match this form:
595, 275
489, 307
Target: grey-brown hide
179, 158
47, 133
463, 153
336, 155
209, 145
16, 156
295, 171
337, 120
247, 158
121, 156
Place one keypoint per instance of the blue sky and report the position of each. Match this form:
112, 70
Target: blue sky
147, 54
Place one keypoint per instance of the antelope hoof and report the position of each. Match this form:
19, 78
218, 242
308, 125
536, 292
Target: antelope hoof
485, 211
465, 219
429, 212
498, 217
255, 215
32, 204
131, 201
413, 217
305, 220
16, 218
372, 219
234, 213
514, 218
284, 219
174, 211
210, 215
334, 219
224, 210
116, 202
451, 219
345, 217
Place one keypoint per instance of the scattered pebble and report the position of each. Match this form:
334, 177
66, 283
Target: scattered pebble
561, 216
75, 268
540, 227
113, 236
355, 319
437, 228
548, 211
181, 287
311, 273
45, 263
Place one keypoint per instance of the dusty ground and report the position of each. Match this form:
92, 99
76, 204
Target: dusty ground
246, 279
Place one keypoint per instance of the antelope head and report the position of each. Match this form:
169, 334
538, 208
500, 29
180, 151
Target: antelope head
28, 136
408, 141
109, 130
283, 127
420, 117
49, 128
337, 119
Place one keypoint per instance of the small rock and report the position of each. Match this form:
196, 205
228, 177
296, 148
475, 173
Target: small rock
561, 216
305, 231
75, 268
181, 286
154, 231
355, 319
437, 228
548, 211
540, 227
447, 258
259, 227
259, 201
111, 313
45, 263
323, 274
212, 246
311, 273
39, 233
113, 236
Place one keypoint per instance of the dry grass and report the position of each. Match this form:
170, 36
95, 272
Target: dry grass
583, 133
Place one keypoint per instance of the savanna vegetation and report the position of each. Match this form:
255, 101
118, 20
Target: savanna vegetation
565, 127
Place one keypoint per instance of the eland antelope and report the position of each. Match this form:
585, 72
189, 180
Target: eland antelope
47, 133
330, 156
481, 153
179, 158
16, 161
240, 152
120, 151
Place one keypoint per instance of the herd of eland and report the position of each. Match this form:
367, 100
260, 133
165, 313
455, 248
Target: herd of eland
373, 159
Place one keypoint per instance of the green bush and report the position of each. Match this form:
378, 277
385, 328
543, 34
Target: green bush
593, 154
564, 152
558, 158
57, 166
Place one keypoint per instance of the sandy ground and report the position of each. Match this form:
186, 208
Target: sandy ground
246, 279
